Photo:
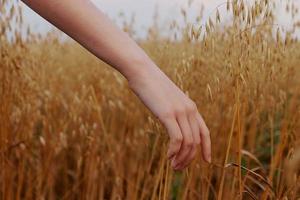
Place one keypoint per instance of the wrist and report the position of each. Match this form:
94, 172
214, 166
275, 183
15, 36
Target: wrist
141, 71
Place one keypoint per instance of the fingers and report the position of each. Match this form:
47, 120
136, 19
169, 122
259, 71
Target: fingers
176, 137
190, 158
188, 144
205, 139
187, 129
194, 124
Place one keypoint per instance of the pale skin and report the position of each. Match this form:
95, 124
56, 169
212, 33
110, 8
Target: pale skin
86, 24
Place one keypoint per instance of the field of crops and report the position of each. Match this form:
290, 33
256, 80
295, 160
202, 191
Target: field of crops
70, 128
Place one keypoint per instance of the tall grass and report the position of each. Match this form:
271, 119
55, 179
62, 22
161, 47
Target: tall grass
71, 129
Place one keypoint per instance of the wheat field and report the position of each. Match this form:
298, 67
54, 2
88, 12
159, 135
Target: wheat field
70, 128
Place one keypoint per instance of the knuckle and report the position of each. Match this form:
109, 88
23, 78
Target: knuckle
177, 140
167, 115
191, 107
190, 144
180, 111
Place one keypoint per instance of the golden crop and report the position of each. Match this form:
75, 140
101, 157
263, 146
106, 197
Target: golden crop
70, 128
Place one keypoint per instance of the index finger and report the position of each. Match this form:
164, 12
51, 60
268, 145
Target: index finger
175, 135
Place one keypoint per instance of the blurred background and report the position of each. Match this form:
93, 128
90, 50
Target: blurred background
143, 11
71, 128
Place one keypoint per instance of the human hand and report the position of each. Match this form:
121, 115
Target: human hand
177, 112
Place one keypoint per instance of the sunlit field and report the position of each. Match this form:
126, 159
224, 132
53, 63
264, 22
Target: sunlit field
70, 128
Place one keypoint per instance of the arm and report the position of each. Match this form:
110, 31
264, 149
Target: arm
86, 24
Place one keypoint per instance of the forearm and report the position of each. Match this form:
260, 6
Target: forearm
86, 24
92, 29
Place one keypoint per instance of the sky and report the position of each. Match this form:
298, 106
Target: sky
144, 10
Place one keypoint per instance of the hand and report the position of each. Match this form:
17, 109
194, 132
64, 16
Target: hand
177, 112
